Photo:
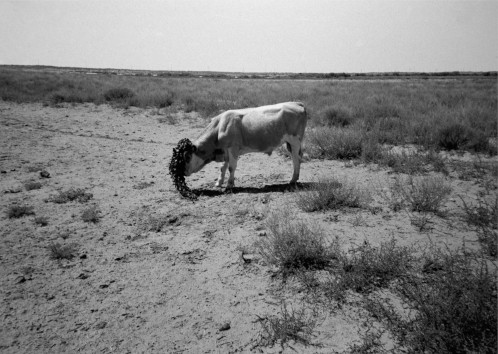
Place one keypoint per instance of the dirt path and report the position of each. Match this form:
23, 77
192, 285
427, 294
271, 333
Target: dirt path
185, 288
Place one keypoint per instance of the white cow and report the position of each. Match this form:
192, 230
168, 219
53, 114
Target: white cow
237, 132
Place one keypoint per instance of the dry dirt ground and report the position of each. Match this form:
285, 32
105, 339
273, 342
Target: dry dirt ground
194, 285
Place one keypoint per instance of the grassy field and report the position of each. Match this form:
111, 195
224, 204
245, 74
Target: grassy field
451, 113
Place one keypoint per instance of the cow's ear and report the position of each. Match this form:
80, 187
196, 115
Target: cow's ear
194, 148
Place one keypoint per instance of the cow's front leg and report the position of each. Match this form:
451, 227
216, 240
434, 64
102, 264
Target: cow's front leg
232, 165
223, 170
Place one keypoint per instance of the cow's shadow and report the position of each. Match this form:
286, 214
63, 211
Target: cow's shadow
268, 188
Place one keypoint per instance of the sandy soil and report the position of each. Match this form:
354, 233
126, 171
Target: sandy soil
195, 286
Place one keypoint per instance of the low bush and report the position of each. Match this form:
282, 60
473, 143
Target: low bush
452, 306
58, 251
335, 143
484, 214
484, 217
394, 194
31, 185
41, 220
452, 137
207, 107
295, 325
390, 130
293, 244
70, 195
330, 194
18, 211
403, 162
371, 150
336, 117
368, 268
412, 163
118, 94
426, 194
91, 214
57, 98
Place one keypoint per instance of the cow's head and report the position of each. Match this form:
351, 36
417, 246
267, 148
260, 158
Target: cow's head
201, 155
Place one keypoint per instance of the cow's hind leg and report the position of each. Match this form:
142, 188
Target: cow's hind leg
223, 170
294, 147
232, 165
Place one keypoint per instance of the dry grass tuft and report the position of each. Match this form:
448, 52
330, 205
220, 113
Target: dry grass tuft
18, 211
91, 214
295, 325
331, 194
58, 251
293, 244
70, 195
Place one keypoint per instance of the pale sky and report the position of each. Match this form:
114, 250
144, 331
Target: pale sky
252, 36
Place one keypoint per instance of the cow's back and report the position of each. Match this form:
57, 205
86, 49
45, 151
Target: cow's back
263, 128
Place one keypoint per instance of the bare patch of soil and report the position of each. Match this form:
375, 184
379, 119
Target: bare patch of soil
157, 272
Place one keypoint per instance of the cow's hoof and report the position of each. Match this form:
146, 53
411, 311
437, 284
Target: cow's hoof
218, 185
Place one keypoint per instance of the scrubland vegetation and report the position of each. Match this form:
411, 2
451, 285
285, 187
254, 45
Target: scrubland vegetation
446, 299
426, 299
451, 113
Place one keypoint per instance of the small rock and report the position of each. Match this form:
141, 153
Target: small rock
101, 325
248, 258
262, 233
83, 276
83, 256
44, 174
3, 171
13, 189
225, 327
20, 279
